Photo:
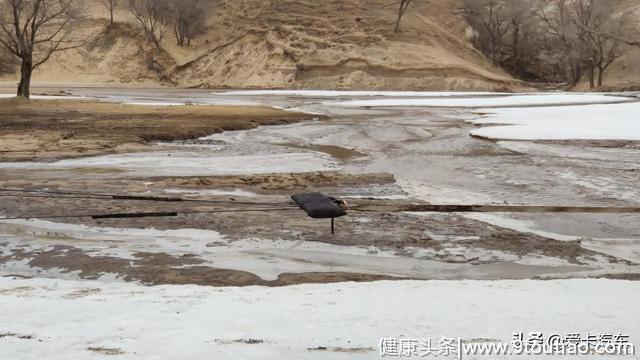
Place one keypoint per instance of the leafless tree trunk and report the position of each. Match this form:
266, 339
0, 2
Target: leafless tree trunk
607, 50
111, 6
584, 15
602, 50
8, 61
592, 72
33, 30
560, 21
153, 16
499, 30
188, 20
403, 6
619, 38
495, 26
525, 36
610, 39
586, 33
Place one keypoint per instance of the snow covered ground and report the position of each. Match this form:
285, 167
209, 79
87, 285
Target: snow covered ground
588, 122
519, 100
199, 192
190, 101
59, 319
346, 93
446, 99
203, 161
574, 152
628, 249
593, 116
57, 316
47, 97
269, 258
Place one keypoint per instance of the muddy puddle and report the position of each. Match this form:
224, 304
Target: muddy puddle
339, 153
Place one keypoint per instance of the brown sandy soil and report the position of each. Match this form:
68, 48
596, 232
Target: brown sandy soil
259, 183
346, 44
267, 182
10, 88
395, 232
103, 127
52, 129
163, 269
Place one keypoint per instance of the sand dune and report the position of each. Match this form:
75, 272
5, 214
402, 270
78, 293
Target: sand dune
290, 44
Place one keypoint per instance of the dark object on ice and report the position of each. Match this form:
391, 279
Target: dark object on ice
320, 206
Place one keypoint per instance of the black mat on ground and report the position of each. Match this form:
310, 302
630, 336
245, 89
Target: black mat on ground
319, 206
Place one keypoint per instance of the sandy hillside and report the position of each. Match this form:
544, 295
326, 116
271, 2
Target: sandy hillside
289, 43
626, 70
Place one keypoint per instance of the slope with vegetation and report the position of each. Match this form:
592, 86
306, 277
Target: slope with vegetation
341, 44
348, 44
577, 42
283, 44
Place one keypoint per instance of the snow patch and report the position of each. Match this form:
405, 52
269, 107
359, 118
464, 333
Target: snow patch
345, 93
628, 249
588, 122
199, 192
441, 195
185, 163
66, 319
526, 100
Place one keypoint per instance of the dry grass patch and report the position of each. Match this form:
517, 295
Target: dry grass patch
54, 129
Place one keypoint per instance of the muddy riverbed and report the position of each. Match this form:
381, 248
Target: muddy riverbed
364, 154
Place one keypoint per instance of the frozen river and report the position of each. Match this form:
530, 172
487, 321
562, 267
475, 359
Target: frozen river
442, 148
61, 279
424, 140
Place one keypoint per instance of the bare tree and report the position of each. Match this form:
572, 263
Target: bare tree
111, 6
188, 20
488, 19
564, 36
523, 40
569, 38
620, 38
505, 32
153, 16
403, 6
604, 50
33, 30
598, 52
588, 33
8, 61
584, 15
